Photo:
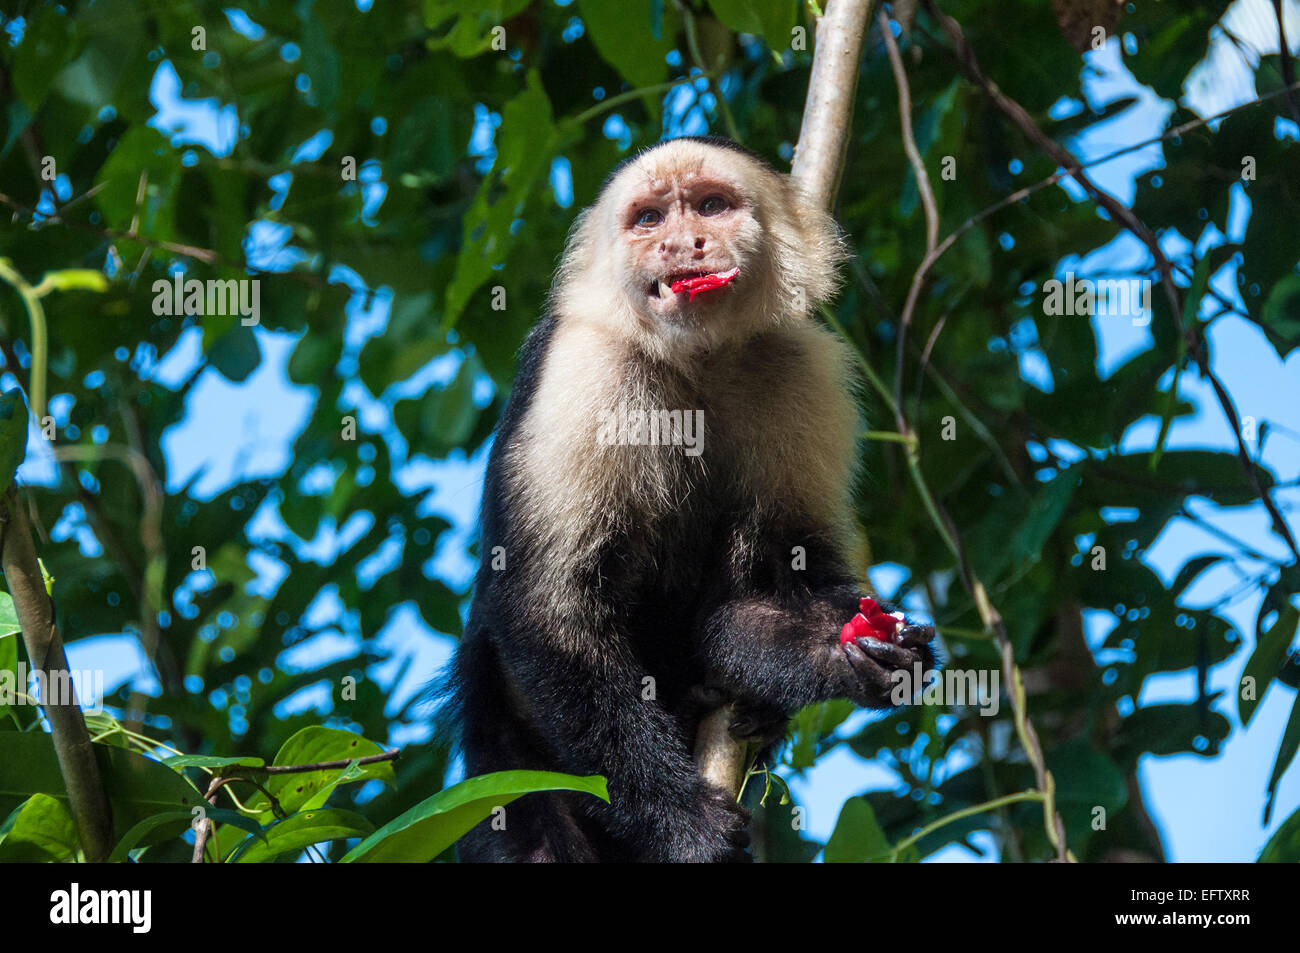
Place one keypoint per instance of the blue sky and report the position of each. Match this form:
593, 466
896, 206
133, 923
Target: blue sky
1207, 809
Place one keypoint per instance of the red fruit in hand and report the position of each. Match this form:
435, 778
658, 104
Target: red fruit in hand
884, 625
859, 627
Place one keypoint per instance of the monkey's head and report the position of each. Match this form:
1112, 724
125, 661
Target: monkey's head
694, 243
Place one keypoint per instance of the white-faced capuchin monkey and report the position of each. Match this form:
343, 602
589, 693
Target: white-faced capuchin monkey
668, 514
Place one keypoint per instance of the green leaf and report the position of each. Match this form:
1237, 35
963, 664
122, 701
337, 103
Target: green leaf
526, 142
105, 729
1086, 779
433, 825
406, 346
1174, 729
858, 836
72, 279
115, 41
1044, 513
313, 358
50, 40
625, 35
313, 744
320, 61
471, 32
444, 417
1195, 292
1284, 846
13, 436
137, 787
1267, 658
1286, 752
771, 19
9, 624
8, 678
301, 831
1012, 534
1281, 312
141, 153
452, 412
212, 761
1129, 480
39, 830
814, 723
235, 354
1193, 568
172, 819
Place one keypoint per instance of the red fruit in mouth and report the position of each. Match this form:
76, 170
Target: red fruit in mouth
704, 282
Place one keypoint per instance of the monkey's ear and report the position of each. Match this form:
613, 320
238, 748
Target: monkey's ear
814, 252
578, 244
578, 260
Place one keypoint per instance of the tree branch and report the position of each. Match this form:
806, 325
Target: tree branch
86, 798
816, 170
828, 110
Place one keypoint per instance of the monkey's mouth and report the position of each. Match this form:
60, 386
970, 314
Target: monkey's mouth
692, 282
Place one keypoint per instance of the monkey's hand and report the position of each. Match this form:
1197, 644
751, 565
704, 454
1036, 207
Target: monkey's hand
878, 661
754, 721
715, 831
758, 723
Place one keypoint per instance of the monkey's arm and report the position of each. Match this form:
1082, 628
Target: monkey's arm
771, 633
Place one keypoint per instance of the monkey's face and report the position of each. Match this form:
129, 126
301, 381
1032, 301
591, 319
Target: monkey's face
689, 244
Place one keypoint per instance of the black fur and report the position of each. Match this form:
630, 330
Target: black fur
704, 597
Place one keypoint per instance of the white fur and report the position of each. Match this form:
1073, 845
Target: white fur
786, 441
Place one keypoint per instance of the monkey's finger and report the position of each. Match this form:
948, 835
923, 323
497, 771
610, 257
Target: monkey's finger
756, 730
872, 676
914, 635
887, 653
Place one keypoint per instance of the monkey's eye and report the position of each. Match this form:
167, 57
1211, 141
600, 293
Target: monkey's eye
713, 205
649, 218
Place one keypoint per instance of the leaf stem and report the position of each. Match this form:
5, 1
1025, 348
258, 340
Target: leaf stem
906, 842
40, 346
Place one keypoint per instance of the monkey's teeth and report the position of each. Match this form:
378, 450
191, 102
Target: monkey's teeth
665, 290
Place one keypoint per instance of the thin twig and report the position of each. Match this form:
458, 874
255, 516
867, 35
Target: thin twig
330, 765
974, 809
1288, 66
927, 201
